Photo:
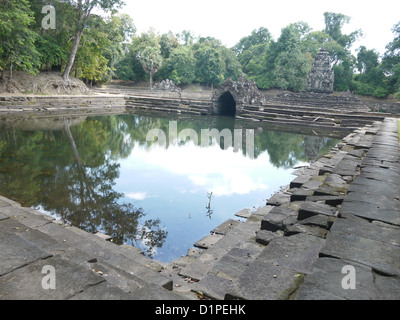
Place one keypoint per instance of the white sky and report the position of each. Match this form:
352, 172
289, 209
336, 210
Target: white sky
231, 20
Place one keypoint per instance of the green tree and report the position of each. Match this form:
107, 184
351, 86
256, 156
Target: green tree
209, 65
180, 67
84, 9
391, 62
334, 23
149, 55
260, 36
17, 49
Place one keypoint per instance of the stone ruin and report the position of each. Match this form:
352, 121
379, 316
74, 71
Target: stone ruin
321, 77
167, 85
230, 97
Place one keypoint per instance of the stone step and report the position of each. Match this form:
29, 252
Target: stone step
278, 270
79, 245
239, 234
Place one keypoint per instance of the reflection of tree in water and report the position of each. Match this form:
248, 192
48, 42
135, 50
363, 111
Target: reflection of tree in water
286, 149
71, 173
71, 170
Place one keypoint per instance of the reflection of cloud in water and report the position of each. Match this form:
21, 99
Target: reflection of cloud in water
224, 172
137, 195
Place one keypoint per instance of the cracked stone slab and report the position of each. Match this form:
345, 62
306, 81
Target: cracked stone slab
297, 252
383, 257
325, 283
265, 281
350, 224
16, 252
376, 187
370, 211
379, 200
26, 283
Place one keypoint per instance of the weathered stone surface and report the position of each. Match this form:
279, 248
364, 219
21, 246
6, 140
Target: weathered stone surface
361, 227
299, 181
265, 281
347, 167
376, 199
309, 229
263, 211
301, 194
225, 226
245, 213
166, 85
383, 257
264, 237
102, 292
236, 237
25, 283
297, 252
208, 241
213, 286
278, 199
278, 219
370, 211
312, 185
325, 283
375, 187
309, 209
243, 92
330, 200
321, 77
380, 174
16, 252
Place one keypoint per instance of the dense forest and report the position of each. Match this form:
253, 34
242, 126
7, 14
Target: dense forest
97, 48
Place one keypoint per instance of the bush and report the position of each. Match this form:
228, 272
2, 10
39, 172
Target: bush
381, 92
364, 89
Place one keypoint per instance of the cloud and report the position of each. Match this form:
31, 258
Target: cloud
139, 196
210, 169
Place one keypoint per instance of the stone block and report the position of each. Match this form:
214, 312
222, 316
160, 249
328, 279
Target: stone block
382, 257
208, 241
225, 226
278, 199
265, 281
309, 209
297, 252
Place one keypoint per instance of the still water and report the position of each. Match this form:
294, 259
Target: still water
100, 173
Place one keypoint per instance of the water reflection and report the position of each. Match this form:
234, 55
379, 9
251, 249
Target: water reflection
100, 174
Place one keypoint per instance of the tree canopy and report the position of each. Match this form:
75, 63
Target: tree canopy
97, 48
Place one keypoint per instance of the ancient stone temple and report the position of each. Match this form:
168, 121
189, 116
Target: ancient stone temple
321, 77
230, 97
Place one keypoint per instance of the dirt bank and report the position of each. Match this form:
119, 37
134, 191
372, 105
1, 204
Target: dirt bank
47, 83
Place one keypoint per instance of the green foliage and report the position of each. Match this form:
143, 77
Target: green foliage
17, 49
180, 67
209, 65
106, 48
50, 52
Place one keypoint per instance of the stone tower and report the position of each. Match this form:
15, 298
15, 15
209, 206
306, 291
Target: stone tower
321, 77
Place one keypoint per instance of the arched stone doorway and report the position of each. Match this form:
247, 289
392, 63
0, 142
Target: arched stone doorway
226, 105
